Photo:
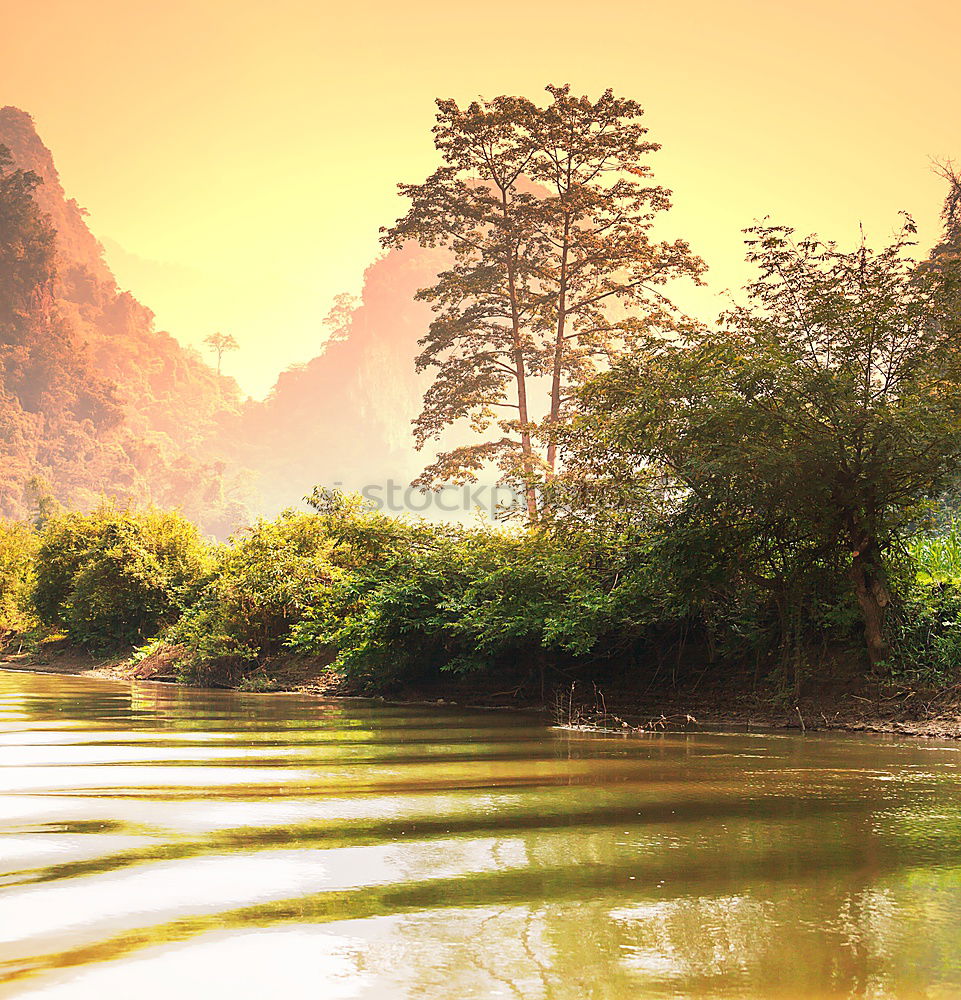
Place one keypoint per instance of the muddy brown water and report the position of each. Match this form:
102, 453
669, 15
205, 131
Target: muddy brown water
157, 842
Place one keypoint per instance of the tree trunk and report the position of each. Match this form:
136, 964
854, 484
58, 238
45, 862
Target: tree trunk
520, 371
527, 449
558, 354
871, 590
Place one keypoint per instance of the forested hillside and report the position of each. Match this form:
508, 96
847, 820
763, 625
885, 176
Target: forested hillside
345, 417
97, 402
94, 400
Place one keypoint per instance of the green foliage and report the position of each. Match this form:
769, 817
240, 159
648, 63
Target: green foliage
553, 596
256, 594
949, 249
927, 629
18, 547
392, 602
378, 615
114, 577
447, 598
926, 635
938, 557
808, 430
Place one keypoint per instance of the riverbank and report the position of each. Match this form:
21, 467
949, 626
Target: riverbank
852, 703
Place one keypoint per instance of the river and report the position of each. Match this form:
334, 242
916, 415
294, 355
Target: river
158, 841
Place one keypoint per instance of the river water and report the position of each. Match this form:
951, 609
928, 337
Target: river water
163, 842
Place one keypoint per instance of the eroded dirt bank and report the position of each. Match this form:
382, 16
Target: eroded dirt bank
850, 704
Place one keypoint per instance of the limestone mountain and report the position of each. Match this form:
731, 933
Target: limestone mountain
94, 401
344, 418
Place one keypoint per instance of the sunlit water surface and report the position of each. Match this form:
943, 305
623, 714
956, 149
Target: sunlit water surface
162, 842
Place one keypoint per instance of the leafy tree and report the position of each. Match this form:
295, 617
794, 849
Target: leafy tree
284, 583
18, 547
258, 591
114, 577
547, 212
220, 344
480, 341
602, 271
810, 426
414, 600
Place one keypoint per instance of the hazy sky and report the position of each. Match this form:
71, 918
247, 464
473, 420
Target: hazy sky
237, 156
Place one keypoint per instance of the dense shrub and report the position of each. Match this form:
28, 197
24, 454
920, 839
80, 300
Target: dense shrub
447, 598
115, 577
393, 602
257, 592
388, 617
18, 546
927, 632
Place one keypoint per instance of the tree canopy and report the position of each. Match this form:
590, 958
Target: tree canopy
812, 422
547, 212
27, 244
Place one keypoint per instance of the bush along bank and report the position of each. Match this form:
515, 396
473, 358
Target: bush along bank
524, 616
763, 505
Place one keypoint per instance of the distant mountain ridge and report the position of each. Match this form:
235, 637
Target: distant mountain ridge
158, 405
344, 418
177, 433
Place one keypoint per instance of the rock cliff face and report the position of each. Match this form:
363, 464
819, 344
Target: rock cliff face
94, 401
175, 433
76, 243
345, 417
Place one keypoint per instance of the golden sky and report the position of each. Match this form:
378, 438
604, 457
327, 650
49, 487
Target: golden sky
237, 156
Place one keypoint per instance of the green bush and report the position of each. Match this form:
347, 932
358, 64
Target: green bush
927, 630
394, 602
257, 592
115, 577
937, 557
386, 616
18, 549
444, 598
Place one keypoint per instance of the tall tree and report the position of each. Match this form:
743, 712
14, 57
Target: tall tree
480, 341
547, 212
602, 271
220, 344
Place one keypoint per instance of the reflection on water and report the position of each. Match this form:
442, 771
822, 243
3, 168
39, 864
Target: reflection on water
159, 842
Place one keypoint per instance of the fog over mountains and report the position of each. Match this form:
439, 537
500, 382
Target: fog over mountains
167, 428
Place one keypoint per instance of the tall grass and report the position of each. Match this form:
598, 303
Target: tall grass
926, 630
937, 558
